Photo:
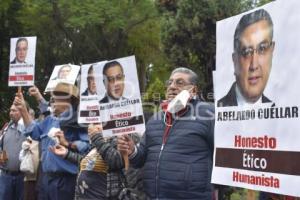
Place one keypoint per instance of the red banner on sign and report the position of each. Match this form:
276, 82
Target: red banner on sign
21, 78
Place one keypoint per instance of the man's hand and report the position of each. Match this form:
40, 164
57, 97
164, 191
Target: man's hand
61, 137
3, 157
19, 102
26, 144
125, 144
35, 92
59, 150
94, 129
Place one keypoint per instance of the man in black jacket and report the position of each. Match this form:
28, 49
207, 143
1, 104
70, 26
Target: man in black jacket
177, 147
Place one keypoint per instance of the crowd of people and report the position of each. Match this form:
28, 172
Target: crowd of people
175, 152
172, 160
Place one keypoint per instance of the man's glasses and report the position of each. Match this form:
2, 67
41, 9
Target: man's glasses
119, 77
22, 49
261, 49
177, 82
91, 78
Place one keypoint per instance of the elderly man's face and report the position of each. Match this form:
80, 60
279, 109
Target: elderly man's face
21, 51
253, 62
91, 82
176, 83
14, 114
114, 82
64, 72
60, 104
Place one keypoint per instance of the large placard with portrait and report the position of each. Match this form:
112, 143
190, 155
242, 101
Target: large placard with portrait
110, 94
257, 99
22, 61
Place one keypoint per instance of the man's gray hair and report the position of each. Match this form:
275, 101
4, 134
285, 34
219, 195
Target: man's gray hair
193, 76
248, 20
20, 40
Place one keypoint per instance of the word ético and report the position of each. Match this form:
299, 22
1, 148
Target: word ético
261, 113
251, 161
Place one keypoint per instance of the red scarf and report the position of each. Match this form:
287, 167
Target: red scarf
169, 119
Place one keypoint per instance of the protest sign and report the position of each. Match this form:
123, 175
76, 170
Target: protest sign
62, 73
257, 99
22, 61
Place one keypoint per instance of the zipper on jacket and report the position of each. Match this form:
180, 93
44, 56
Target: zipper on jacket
157, 169
165, 137
168, 128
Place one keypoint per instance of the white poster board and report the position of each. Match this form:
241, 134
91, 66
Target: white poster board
62, 73
257, 101
118, 96
90, 90
22, 61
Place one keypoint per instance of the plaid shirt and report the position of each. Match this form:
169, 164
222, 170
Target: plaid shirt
116, 177
130, 179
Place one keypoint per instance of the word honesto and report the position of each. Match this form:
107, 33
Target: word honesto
255, 142
121, 115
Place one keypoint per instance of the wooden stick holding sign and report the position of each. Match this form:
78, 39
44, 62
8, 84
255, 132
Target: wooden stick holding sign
19, 89
126, 160
125, 142
251, 195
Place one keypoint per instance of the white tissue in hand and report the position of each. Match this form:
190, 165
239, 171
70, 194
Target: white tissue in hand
25, 145
179, 102
51, 134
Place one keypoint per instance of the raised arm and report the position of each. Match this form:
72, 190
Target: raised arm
107, 149
19, 102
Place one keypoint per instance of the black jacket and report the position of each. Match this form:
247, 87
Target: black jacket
231, 100
182, 169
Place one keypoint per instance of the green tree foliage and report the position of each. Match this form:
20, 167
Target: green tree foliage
88, 31
153, 96
9, 27
155, 92
73, 31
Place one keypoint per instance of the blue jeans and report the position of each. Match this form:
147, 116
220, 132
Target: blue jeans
11, 186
